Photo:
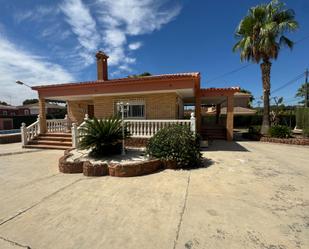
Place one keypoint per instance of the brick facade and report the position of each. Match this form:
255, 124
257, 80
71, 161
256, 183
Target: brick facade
157, 106
77, 110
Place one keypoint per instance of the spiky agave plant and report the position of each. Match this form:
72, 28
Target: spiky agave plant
103, 137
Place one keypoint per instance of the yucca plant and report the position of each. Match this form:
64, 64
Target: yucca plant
103, 137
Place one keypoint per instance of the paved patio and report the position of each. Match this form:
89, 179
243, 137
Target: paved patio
252, 195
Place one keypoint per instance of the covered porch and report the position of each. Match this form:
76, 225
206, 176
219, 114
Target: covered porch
214, 125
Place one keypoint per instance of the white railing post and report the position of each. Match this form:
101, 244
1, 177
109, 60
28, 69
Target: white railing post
39, 128
23, 132
192, 123
86, 117
66, 123
74, 135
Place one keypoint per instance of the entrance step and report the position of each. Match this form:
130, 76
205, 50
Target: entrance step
61, 141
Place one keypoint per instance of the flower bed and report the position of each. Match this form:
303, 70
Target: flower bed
133, 164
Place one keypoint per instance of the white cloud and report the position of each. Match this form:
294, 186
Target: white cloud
17, 64
83, 26
134, 45
123, 18
103, 24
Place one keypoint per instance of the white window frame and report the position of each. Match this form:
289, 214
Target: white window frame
131, 102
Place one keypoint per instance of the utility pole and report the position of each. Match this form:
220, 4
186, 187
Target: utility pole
307, 90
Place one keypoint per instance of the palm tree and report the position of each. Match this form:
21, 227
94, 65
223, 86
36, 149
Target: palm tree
260, 37
303, 92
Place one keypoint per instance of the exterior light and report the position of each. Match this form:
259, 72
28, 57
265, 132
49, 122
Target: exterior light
22, 83
122, 106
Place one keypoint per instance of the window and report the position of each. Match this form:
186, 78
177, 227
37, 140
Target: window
5, 113
26, 112
134, 110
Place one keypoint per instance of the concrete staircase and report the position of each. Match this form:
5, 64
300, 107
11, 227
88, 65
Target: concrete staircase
213, 133
60, 141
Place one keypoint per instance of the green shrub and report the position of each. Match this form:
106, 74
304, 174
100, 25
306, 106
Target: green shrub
176, 143
279, 131
103, 137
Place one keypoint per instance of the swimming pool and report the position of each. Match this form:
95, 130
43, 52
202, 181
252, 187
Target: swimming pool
9, 131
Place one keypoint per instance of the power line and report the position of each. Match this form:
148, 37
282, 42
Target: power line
288, 83
230, 72
249, 64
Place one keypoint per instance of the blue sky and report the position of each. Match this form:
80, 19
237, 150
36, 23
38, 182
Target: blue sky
54, 41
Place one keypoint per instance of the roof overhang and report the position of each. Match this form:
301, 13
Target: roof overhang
181, 84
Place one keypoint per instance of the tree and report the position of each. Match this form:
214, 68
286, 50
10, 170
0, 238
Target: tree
251, 99
260, 37
30, 101
302, 92
277, 110
140, 75
3, 103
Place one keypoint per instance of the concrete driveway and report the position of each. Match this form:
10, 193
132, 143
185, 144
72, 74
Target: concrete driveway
252, 195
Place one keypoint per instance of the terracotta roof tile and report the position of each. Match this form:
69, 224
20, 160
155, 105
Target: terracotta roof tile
144, 78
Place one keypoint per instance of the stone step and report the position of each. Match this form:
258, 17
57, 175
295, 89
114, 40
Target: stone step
53, 138
58, 134
48, 142
42, 146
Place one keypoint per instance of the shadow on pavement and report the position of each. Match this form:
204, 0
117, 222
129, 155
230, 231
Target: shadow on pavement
222, 145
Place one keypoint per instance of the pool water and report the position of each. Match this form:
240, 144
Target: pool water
9, 131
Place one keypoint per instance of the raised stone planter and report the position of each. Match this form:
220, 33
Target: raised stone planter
90, 169
169, 164
135, 169
70, 167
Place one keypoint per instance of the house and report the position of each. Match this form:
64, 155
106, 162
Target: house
151, 100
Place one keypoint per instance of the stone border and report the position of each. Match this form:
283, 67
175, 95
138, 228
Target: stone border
135, 169
69, 167
90, 169
295, 141
10, 138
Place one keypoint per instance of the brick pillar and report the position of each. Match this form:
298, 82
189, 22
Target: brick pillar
230, 117
198, 106
218, 111
42, 115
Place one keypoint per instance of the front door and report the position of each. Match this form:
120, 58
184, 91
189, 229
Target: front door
90, 111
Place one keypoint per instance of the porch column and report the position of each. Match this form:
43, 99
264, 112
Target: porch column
218, 111
42, 115
230, 117
198, 106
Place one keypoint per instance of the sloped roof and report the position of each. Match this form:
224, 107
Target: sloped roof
240, 110
128, 79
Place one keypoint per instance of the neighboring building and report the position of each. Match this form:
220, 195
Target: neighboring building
157, 97
6, 123
11, 111
33, 109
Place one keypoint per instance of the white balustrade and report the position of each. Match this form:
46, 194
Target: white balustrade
139, 128
30, 132
147, 128
56, 125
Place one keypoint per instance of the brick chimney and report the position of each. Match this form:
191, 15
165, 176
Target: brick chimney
102, 65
